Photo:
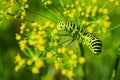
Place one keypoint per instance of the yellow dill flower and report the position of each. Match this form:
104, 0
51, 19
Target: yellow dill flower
90, 29
83, 22
94, 1
43, 33
48, 2
22, 17
74, 62
64, 72
4, 2
55, 43
17, 68
35, 70
93, 14
49, 55
79, 9
56, 37
42, 0
70, 73
71, 52
22, 44
107, 18
36, 36
41, 41
62, 50
52, 25
100, 10
117, 3
26, 6
104, 30
47, 23
105, 11
29, 62
18, 58
15, 16
54, 31
21, 62
73, 56
23, 13
50, 44
88, 9
59, 50
67, 6
9, 10
22, 27
73, 10
39, 63
106, 24
65, 12
34, 24
41, 48
94, 10
77, 2
35, 58
87, 15
18, 37
83, 4
111, 0
24, 1
82, 13
72, 5
27, 29
59, 59
87, 23
71, 15
82, 60
56, 65
32, 42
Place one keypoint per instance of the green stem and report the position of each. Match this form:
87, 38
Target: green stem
116, 65
115, 69
82, 55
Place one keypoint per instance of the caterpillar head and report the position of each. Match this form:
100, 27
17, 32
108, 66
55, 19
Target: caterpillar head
60, 25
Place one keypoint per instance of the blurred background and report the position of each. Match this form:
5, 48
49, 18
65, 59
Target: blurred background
97, 67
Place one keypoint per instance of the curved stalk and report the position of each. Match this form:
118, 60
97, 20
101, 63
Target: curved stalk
82, 55
116, 65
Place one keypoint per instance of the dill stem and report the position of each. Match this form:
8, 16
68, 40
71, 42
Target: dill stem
83, 66
116, 64
115, 68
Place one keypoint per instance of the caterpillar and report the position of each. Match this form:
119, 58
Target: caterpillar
94, 44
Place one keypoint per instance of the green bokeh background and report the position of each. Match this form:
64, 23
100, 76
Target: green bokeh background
97, 67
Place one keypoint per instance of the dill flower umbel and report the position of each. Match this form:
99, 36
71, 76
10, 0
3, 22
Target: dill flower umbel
37, 37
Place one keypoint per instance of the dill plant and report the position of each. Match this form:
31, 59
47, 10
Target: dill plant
44, 45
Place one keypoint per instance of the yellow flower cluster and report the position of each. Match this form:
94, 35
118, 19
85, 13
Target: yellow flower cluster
67, 60
20, 62
67, 72
34, 41
22, 6
89, 15
13, 9
37, 35
46, 2
116, 2
37, 65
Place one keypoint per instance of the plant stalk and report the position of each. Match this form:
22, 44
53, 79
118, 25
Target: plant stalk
116, 65
82, 55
